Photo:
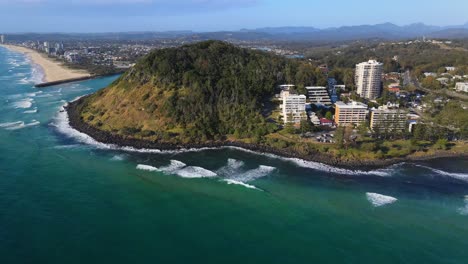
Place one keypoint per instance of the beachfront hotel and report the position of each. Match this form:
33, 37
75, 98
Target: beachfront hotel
369, 79
349, 114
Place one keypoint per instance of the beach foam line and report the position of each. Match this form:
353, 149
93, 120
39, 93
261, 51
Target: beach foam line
456, 175
249, 186
62, 123
378, 200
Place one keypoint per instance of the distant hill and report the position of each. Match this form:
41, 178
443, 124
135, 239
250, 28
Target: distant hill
386, 31
451, 33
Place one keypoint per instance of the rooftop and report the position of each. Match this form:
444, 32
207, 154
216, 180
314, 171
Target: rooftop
371, 62
351, 105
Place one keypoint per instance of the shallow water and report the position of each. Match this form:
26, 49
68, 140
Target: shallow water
67, 199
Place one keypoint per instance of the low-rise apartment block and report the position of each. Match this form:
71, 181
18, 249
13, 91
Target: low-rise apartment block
349, 114
388, 120
318, 95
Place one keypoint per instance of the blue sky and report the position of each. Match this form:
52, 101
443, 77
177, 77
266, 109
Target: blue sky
211, 15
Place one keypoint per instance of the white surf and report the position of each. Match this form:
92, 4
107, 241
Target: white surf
378, 200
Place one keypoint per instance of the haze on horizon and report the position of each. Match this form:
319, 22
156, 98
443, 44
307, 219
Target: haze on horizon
216, 15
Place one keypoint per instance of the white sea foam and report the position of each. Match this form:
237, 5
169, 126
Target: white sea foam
179, 168
173, 166
31, 111
67, 146
254, 174
45, 95
11, 124
63, 126
146, 167
232, 167
464, 210
380, 200
118, 158
25, 103
194, 172
229, 181
23, 125
456, 175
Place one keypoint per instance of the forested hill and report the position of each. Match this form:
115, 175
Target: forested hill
195, 93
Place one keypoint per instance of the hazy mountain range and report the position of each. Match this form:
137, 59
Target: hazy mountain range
387, 31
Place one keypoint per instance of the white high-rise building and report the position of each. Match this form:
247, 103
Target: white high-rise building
369, 79
294, 108
2, 39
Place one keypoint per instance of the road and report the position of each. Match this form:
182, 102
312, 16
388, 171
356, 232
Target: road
407, 79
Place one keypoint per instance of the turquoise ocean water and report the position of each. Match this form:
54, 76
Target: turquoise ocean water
67, 199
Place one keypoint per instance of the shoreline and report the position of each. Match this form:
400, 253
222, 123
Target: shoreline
100, 136
52, 71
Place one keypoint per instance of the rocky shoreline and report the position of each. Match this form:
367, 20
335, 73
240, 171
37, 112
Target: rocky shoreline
75, 121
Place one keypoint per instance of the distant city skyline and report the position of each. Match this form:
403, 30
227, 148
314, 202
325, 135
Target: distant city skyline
216, 15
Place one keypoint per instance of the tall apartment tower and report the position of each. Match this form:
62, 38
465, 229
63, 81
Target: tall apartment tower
369, 79
2, 39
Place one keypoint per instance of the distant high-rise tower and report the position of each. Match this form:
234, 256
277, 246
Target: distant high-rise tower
369, 79
2, 39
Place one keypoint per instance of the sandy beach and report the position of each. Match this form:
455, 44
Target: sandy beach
53, 71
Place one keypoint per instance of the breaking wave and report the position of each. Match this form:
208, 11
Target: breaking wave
195, 172
456, 175
62, 123
229, 181
10, 124
31, 111
173, 166
146, 167
181, 169
233, 171
231, 167
378, 200
19, 125
25, 103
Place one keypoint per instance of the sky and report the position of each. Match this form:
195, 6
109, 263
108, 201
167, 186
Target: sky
215, 15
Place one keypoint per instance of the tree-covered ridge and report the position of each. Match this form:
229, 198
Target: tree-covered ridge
202, 91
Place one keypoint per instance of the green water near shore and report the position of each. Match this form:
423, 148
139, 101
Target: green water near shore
64, 201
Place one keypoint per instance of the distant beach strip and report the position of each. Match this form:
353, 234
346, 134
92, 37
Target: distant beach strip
54, 72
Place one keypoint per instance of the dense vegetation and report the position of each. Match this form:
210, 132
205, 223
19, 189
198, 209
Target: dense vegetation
417, 57
197, 92
214, 91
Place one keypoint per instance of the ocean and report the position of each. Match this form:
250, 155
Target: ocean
65, 198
